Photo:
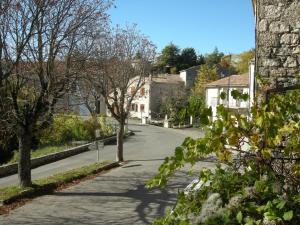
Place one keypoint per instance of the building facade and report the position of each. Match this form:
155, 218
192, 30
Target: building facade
149, 99
226, 85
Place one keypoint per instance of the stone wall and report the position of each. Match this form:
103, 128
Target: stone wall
278, 40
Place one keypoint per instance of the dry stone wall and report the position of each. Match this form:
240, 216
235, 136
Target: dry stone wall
278, 41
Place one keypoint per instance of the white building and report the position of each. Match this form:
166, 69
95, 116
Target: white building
226, 85
189, 76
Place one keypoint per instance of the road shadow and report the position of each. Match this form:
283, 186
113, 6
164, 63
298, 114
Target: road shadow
150, 203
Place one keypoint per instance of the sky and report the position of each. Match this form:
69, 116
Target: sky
228, 25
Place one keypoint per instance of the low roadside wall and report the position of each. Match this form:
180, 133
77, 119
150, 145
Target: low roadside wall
10, 169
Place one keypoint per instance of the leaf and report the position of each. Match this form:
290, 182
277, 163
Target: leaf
287, 216
223, 95
184, 222
179, 153
281, 204
239, 217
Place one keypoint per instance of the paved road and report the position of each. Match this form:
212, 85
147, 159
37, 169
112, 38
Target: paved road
119, 196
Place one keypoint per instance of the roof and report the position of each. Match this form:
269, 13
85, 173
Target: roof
191, 68
232, 81
168, 78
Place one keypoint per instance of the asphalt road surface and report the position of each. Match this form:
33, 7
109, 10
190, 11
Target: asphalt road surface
117, 197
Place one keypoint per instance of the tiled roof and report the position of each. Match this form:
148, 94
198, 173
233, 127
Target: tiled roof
232, 81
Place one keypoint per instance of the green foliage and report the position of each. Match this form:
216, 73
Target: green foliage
172, 59
67, 128
169, 57
261, 180
213, 58
242, 64
188, 58
205, 75
180, 107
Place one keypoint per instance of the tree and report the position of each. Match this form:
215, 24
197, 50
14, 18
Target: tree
205, 75
119, 74
169, 57
200, 60
214, 58
242, 65
37, 64
188, 58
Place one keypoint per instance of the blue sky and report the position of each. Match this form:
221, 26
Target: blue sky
202, 24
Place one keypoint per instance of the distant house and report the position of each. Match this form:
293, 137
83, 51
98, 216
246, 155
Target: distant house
226, 85
148, 100
189, 76
156, 89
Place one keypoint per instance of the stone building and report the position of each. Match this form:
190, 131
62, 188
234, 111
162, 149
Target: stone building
278, 41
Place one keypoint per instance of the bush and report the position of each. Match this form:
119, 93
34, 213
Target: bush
261, 182
67, 128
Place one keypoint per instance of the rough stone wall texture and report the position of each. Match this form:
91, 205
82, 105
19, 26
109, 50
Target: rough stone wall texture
278, 40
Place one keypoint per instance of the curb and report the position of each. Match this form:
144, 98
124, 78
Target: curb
50, 188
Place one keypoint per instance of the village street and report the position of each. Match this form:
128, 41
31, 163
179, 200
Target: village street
117, 197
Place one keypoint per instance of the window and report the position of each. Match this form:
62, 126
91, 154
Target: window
142, 108
238, 101
142, 91
132, 107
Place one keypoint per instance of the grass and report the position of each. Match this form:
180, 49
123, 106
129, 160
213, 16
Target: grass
40, 152
46, 185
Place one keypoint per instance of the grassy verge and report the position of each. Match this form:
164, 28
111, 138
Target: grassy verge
49, 184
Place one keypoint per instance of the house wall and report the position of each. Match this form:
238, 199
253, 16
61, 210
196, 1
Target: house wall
213, 98
159, 92
189, 76
278, 41
141, 100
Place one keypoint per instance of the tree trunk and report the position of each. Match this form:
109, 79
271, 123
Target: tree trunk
24, 165
120, 138
97, 104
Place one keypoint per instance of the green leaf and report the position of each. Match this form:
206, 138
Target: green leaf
184, 222
223, 95
287, 216
281, 204
179, 153
239, 217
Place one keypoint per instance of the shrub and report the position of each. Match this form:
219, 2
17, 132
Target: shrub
261, 182
67, 128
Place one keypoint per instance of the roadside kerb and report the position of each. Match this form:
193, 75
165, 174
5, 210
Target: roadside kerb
51, 187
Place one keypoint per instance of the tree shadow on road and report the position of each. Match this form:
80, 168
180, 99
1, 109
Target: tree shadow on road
150, 203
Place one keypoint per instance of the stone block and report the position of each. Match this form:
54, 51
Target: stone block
296, 50
266, 40
271, 63
279, 27
263, 25
289, 39
272, 11
290, 62
283, 51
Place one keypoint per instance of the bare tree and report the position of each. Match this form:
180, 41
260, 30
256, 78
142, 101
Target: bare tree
38, 42
123, 62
